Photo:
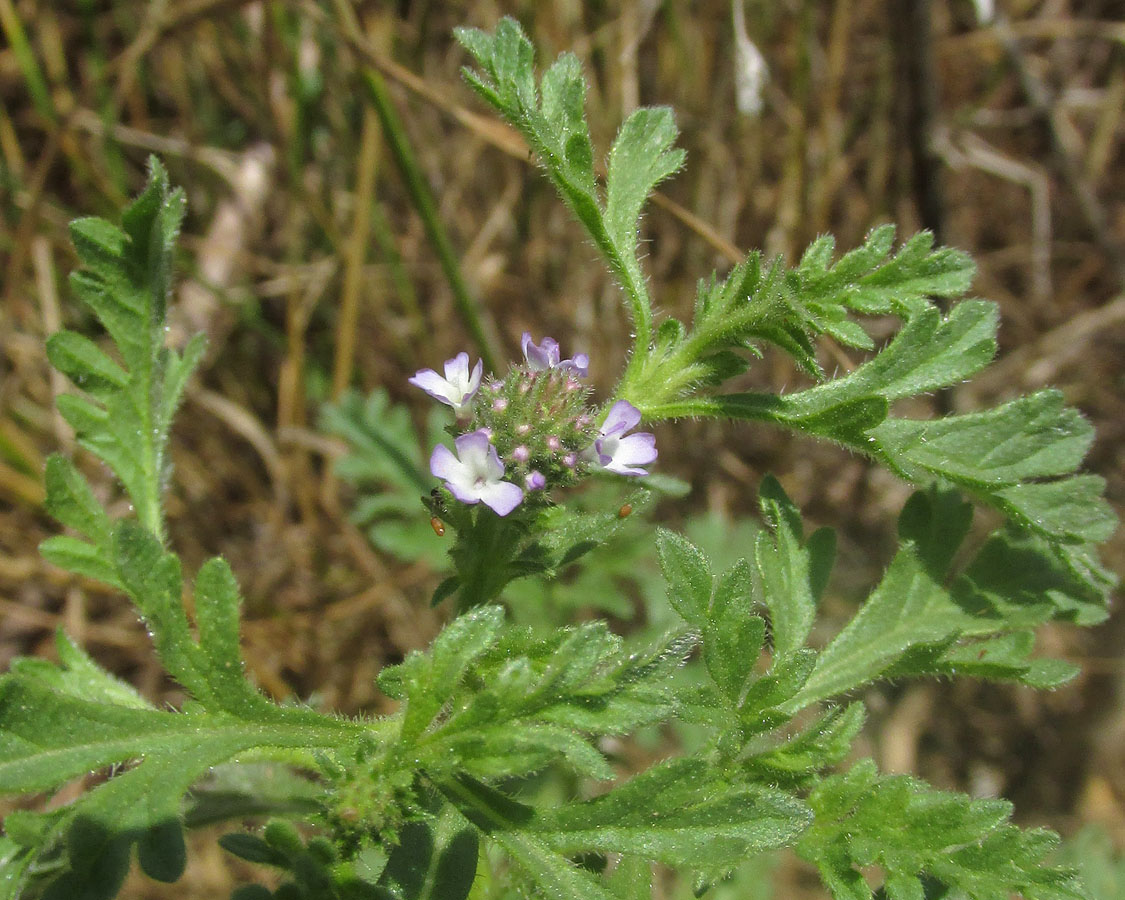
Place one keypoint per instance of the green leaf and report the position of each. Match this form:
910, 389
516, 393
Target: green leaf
79, 676
733, 635
1100, 863
247, 790
153, 580
52, 734
503, 821
682, 813
936, 522
526, 747
506, 703
82, 362
79, 557
1002, 658
433, 861
918, 621
631, 879
824, 743
210, 668
907, 608
786, 568
930, 352
641, 158
927, 354
1027, 440
1072, 509
761, 707
430, 680
125, 281
791, 309
217, 603
1033, 437
253, 849
564, 534
901, 285
688, 576
1016, 571
161, 851
555, 876
70, 500
921, 837
552, 120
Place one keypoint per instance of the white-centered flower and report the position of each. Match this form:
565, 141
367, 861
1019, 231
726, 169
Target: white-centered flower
474, 474
457, 388
615, 450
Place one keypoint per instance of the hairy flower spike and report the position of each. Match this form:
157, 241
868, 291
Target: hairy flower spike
457, 388
538, 417
474, 474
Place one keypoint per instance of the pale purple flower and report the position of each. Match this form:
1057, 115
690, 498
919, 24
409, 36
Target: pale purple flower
457, 388
545, 355
535, 480
616, 451
474, 474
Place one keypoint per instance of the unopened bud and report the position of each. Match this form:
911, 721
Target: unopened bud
535, 481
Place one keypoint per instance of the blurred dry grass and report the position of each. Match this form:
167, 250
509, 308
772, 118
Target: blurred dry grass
306, 260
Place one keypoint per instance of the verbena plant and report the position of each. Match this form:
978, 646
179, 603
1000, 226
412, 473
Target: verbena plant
482, 784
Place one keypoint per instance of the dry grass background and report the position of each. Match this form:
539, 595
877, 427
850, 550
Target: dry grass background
307, 261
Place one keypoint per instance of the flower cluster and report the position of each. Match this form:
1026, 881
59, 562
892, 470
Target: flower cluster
531, 430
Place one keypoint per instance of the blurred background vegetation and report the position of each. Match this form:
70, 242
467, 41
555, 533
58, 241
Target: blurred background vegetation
355, 215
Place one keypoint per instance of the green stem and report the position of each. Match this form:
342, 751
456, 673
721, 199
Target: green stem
150, 511
467, 306
25, 59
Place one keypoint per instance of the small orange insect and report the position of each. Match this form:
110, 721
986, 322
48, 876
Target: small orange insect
438, 526
625, 510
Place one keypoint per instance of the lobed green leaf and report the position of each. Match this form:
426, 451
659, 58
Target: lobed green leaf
552, 120
688, 575
683, 813
925, 841
125, 280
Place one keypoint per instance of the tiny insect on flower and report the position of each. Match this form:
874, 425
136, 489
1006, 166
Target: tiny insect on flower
438, 526
625, 511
